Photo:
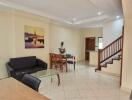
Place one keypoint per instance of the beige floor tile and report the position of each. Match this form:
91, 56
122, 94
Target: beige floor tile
83, 84
89, 98
72, 94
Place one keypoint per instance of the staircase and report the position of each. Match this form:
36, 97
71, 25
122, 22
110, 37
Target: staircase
110, 54
113, 68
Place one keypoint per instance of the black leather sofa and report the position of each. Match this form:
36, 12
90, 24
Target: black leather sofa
17, 67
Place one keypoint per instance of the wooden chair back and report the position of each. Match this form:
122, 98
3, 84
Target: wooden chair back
57, 60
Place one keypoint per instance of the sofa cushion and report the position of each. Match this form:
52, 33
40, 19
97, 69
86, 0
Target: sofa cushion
23, 62
29, 70
37, 68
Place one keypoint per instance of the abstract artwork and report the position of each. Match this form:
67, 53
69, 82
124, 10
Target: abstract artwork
34, 37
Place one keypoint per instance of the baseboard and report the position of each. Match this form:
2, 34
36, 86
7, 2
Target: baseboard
126, 89
3, 77
109, 73
92, 65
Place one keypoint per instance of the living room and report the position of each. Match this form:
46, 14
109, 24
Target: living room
13, 21
13, 24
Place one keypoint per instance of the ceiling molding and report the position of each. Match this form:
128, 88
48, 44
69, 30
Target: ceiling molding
92, 19
77, 23
33, 11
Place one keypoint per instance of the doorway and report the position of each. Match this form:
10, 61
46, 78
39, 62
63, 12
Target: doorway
89, 46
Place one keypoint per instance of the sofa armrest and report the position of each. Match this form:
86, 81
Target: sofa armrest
41, 63
11, 72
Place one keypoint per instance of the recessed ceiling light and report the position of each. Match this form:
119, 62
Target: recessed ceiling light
99, 13
68, 22
74, 19
117, 17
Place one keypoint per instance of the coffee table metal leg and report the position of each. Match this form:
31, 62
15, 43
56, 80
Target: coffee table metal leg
58, 76
66, 68
74, 64
51, 79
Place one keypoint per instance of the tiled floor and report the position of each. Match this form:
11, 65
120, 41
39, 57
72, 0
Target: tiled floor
83, 84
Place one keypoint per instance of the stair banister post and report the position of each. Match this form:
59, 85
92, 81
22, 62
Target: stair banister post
99, 53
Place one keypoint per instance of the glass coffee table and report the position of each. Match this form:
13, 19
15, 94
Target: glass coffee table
47, 73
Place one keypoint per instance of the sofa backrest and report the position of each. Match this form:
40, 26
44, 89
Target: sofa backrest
23, 62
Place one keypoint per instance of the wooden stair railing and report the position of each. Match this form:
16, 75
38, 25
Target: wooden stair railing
109, 51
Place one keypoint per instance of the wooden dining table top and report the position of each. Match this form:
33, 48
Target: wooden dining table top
11, 89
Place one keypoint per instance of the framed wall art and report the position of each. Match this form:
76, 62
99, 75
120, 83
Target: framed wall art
34, 37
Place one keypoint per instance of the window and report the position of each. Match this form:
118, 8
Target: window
100, 42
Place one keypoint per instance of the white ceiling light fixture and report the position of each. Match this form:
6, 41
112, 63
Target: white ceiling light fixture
94, 19
99, 13
68, 22
74, 19
117, 17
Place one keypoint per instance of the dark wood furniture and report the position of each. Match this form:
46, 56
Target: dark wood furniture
89, 46
11, 89
57, 61
70, 59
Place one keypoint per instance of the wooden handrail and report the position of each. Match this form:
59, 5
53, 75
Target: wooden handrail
110, 56
109, 51
111, 43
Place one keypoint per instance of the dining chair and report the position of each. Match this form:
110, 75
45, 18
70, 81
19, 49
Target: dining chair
71, 60
58, 61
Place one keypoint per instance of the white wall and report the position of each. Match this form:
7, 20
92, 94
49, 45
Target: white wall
113, 68
93, 61
21, 19
111, 31
70, 36
127, 49
5, 34
12, 36
91, 32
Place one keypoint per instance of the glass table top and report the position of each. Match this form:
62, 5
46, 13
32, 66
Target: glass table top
45, 73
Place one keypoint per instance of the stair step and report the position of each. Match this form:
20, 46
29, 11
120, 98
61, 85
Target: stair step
110, 62
103, 65
120, 56
116, 58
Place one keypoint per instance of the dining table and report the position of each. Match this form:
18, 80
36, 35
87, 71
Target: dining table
11, 89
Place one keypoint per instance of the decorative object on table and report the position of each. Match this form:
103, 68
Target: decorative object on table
34, 37
62, 49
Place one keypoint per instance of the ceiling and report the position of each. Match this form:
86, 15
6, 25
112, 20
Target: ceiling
80, 13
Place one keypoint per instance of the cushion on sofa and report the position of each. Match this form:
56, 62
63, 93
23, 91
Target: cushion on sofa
30, 70
19, 73
23, 62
